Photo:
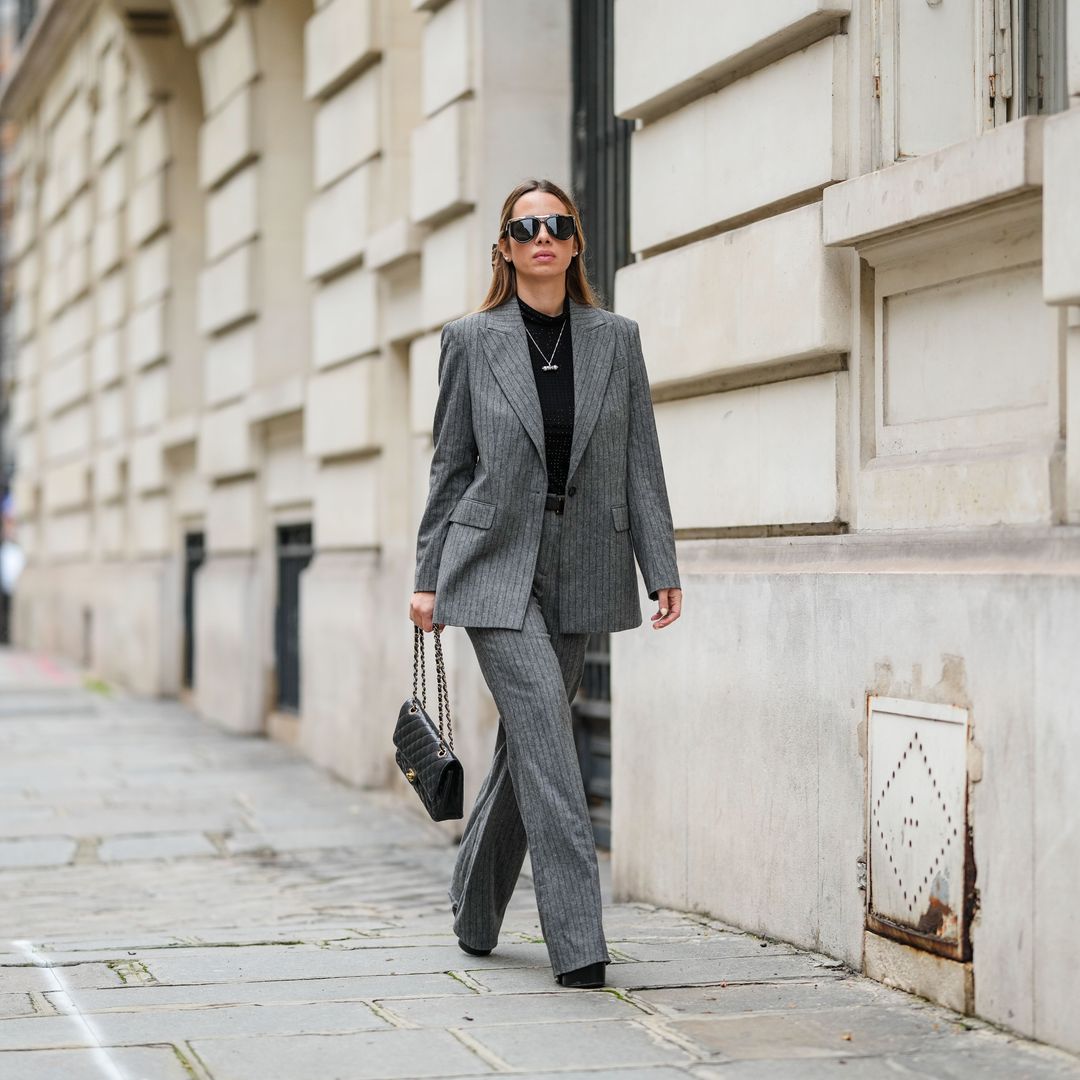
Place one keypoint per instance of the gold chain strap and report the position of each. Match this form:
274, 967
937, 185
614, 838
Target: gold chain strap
444, 693
420, 668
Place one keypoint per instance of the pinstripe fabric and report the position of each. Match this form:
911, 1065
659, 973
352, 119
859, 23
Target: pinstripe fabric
478, 538
533, 795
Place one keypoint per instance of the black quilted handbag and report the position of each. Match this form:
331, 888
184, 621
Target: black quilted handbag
423, 755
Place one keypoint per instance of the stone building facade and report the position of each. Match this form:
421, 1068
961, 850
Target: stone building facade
853, 229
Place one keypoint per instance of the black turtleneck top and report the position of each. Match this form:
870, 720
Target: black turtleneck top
555, 388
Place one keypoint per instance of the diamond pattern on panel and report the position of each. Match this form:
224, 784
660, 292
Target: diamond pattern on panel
918, 782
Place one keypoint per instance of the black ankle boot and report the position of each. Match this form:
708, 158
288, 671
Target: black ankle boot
471, 951
586, 978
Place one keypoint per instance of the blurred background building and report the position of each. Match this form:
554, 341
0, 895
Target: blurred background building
849, 231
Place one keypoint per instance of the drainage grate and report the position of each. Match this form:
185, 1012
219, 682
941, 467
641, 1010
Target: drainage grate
920, 867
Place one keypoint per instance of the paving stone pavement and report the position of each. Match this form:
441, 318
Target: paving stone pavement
177, 903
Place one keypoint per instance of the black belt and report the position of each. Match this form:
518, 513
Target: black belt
554, 502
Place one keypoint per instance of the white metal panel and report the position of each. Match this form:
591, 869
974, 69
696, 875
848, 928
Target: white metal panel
917, 842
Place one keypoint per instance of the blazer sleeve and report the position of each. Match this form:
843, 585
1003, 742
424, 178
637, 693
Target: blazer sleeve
453, 461
651, 527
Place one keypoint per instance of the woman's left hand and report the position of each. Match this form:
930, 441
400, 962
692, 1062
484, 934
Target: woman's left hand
669, 602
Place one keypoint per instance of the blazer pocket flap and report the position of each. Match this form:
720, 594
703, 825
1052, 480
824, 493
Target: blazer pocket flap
473, 512
621, 514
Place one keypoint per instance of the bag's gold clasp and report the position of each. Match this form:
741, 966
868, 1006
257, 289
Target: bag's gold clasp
410, 775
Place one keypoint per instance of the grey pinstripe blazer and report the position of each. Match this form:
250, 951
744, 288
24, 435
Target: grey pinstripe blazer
478, 537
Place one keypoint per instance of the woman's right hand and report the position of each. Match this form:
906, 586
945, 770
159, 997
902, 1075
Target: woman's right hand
421, 609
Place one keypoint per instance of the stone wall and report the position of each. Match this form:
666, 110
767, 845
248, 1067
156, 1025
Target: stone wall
854, 288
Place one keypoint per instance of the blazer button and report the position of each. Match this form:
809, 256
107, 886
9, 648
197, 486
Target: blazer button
570, 491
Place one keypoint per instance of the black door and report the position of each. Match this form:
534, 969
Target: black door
194, 554
601, 184
293, 554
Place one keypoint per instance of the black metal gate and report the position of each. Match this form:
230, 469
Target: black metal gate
601, 146
294, 552
194, 554
592, 731
600, 178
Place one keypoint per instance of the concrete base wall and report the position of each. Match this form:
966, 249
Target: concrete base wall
348, 700
740, 777
231, 682
121, 620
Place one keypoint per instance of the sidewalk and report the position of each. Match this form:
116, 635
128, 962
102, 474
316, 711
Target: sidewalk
177, 903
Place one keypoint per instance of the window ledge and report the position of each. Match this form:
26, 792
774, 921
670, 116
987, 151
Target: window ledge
275, 400
179, 431
1001, 165
398, 240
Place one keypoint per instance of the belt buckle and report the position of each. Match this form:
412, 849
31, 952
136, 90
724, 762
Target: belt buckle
558, 504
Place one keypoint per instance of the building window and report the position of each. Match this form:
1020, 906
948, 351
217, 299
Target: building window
1041, 64
947, 70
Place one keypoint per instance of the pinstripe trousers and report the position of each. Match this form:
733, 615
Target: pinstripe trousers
533, 796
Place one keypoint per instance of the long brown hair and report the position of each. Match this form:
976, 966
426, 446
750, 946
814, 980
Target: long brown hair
504, 276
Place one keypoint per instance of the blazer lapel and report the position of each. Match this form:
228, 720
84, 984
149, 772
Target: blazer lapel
508, 357
507, 348
594, 348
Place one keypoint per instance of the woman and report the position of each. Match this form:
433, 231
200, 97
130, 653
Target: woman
546, 481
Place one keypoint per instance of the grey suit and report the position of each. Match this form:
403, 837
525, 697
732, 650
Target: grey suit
530, 584
480, 532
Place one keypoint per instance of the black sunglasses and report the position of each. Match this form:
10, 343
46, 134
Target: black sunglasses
524, 229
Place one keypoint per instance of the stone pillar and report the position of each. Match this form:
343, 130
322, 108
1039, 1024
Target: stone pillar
361, 258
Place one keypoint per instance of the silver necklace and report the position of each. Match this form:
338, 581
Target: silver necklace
548, 366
